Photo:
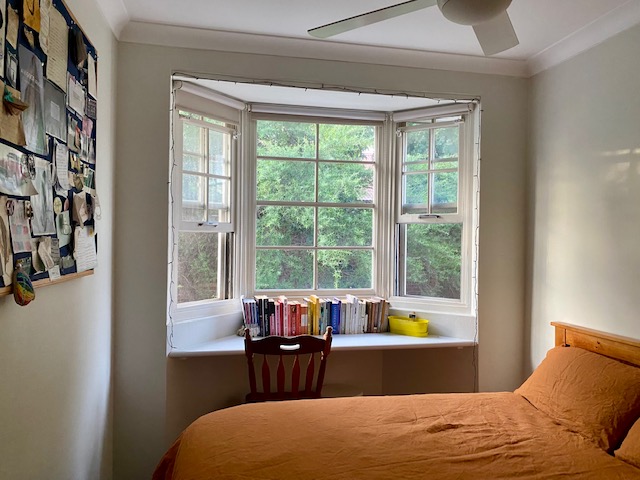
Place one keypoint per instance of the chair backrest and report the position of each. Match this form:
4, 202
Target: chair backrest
301, 345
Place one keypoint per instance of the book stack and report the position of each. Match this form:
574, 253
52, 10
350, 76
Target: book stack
312, 315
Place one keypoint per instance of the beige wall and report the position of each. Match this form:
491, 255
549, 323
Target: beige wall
143, 383
584, 258
55, 354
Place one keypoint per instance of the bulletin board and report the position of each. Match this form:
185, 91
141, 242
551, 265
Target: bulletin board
48, 200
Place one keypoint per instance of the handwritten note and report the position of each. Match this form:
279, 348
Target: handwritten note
45, 13
58, 46
62, 166
75, 95
85, 249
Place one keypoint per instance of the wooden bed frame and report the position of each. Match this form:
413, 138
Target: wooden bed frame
624, 349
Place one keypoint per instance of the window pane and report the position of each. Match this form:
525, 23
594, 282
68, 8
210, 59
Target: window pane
218, 199
433, 259
417, 146
193, 163
286, 181
286, 139
284, 269
416, 167
193, 193
192, 138
219, 152
445, 164
445, 193
345, 268
197, 266
284, 226
415, 191
344, 183
345, 227
446, 140
214, 121
346, 142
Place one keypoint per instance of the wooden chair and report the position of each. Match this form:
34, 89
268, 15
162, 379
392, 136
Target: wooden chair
287, 346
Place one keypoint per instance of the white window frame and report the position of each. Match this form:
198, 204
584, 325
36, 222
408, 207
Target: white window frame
315, 116
180, 312
467, 161
387, 214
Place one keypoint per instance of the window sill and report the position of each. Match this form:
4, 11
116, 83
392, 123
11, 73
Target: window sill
234, 345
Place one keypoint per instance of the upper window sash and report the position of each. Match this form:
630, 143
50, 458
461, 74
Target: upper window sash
426, 172
217, 182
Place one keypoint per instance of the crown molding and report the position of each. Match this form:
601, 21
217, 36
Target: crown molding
116, 14
598, 31
202, 39
622, 18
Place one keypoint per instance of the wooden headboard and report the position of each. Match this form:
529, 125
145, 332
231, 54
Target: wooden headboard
625, 349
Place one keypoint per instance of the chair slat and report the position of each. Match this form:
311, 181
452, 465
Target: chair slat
295, 376
266, 375
311, 366
281, 377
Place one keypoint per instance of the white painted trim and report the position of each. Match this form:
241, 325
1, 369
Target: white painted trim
595, 33
126, 30
201, 39
211, 95
234, 345
116, 14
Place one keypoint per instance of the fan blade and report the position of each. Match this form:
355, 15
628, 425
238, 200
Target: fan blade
375, 16
496, 35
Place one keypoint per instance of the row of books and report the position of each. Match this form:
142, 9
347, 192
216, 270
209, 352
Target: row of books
284, 317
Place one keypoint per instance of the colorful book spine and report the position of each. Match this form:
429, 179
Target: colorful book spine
335, 315
304, 318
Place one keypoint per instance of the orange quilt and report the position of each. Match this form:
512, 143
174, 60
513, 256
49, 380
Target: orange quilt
438, 436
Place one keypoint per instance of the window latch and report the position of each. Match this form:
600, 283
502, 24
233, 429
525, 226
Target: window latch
429, 215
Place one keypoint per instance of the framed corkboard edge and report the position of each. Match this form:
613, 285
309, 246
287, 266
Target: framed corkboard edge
4, 291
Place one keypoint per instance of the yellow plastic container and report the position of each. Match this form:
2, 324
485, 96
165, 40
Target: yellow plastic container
415, 327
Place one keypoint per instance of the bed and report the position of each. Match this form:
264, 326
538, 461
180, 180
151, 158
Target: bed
575, 417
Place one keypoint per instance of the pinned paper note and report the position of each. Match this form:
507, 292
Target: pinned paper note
11, 128
31, 14
58, 49
84, 249
75, 95
63, 228
45, 13
6, 253
93, 77
80, 209
61, 160
42, 203
19, 226
32, 89
54, 273
13, 165
55, 113
12, 27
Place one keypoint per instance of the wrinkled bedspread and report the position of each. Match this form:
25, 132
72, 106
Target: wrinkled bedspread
438, 436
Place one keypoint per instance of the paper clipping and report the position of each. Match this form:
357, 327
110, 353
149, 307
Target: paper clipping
43, 222
85, 249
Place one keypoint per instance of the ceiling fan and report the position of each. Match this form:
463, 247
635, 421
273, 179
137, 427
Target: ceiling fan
489, 20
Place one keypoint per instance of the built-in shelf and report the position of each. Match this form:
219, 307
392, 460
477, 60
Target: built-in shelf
4, 291
234, 345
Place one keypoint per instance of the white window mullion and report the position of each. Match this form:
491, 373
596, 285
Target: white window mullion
247, 180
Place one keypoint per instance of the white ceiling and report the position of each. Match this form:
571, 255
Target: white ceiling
541, 25
279, 95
